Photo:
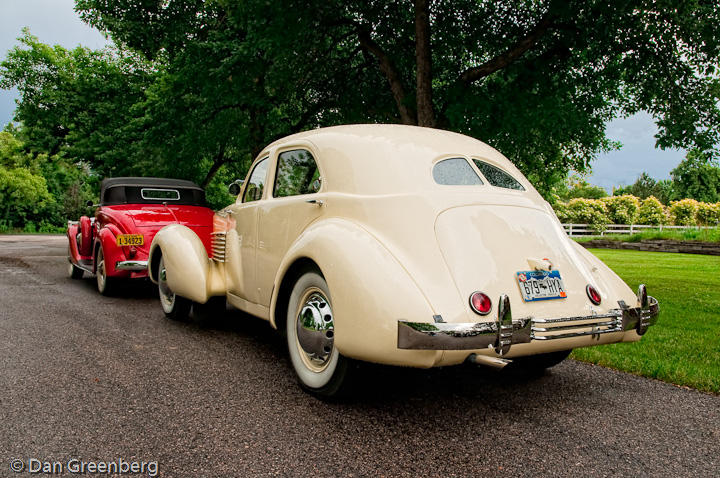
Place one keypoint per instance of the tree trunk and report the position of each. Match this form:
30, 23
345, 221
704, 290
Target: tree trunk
218, 163
423, 61
391, 74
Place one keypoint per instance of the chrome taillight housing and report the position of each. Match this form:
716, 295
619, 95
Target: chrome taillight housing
593, 294
480, 303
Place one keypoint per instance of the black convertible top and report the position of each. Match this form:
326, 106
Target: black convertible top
129, 190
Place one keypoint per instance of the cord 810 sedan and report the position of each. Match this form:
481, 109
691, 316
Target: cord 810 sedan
399, 245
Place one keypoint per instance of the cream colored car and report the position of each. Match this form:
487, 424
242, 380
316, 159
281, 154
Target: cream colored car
398, 245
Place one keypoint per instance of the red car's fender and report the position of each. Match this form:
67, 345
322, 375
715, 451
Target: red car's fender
73, 252
85, 236
111, 252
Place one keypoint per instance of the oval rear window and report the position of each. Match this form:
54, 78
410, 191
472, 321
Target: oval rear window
455, 172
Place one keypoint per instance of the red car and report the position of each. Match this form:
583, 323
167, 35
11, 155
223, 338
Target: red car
115, 244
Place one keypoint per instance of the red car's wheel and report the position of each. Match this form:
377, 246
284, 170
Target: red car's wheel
105, 284
74, 272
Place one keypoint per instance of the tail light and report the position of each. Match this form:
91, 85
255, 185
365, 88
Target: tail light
132, 252
593, 294
480, 303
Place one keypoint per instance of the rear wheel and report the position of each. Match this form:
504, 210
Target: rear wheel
74, 272
319, 367
105, 284
174, 306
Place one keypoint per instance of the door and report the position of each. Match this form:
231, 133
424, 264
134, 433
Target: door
242, 251
294, 203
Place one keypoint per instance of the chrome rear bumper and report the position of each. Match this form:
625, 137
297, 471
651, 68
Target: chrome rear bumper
135, 266
505, 330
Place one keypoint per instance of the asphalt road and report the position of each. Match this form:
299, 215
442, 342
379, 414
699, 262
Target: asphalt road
94, 378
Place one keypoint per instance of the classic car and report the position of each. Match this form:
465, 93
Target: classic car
115, 243
399, 245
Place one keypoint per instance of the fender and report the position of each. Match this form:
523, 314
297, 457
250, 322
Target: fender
107, 236
364, 278
190, 273
86, 236
73, 252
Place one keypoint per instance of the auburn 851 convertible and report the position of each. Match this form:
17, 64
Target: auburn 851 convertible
399, 245
115, 243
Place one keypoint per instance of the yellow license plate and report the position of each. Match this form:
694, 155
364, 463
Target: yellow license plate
130, 240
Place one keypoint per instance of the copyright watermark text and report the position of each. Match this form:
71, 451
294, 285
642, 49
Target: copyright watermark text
76, 466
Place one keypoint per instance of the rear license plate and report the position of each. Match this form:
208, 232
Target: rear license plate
130, 240
541, 285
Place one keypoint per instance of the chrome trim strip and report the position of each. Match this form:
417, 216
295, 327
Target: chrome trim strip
217, 245
505, 331
135, 266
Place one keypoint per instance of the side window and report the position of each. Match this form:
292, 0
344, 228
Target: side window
297, 173
256, 183
498, 177
455, 171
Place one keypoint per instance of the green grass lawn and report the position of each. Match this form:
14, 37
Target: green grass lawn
684, 346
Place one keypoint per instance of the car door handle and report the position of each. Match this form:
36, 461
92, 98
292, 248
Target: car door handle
315, 201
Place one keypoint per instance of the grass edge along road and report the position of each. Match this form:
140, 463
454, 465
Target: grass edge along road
684, 346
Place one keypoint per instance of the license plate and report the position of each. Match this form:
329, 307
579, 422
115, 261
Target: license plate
130, 240
541, 285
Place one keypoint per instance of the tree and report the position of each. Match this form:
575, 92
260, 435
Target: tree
696, 178
38, 188
537, 80
646, 186
76, 102
579, 188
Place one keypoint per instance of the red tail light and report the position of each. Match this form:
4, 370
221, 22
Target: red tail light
593, 294
480, 303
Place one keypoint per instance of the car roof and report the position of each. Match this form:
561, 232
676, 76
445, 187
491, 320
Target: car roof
145, 181
387, 158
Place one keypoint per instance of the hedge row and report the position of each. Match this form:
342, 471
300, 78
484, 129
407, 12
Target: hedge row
629, 209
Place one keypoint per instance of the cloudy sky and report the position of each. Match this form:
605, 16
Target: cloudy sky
55, 22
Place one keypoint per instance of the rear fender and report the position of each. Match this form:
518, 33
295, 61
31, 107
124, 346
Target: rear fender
72, 232
107, 237
190, 273
370, 292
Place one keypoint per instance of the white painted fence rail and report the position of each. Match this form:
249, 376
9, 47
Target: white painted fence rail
587, 229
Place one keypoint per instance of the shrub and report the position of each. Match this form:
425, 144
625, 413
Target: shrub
622, 209
708, 214
588, 211
562, 212
683, 212
651, 212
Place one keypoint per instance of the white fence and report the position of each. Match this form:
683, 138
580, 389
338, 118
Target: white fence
587, 229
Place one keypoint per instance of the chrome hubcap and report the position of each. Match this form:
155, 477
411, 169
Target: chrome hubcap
315, 330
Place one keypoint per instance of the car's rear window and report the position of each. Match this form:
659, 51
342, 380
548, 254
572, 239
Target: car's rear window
497, 177
126, 194
455, 172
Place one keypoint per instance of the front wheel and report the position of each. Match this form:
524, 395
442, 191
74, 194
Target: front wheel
174, 306
319, 367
